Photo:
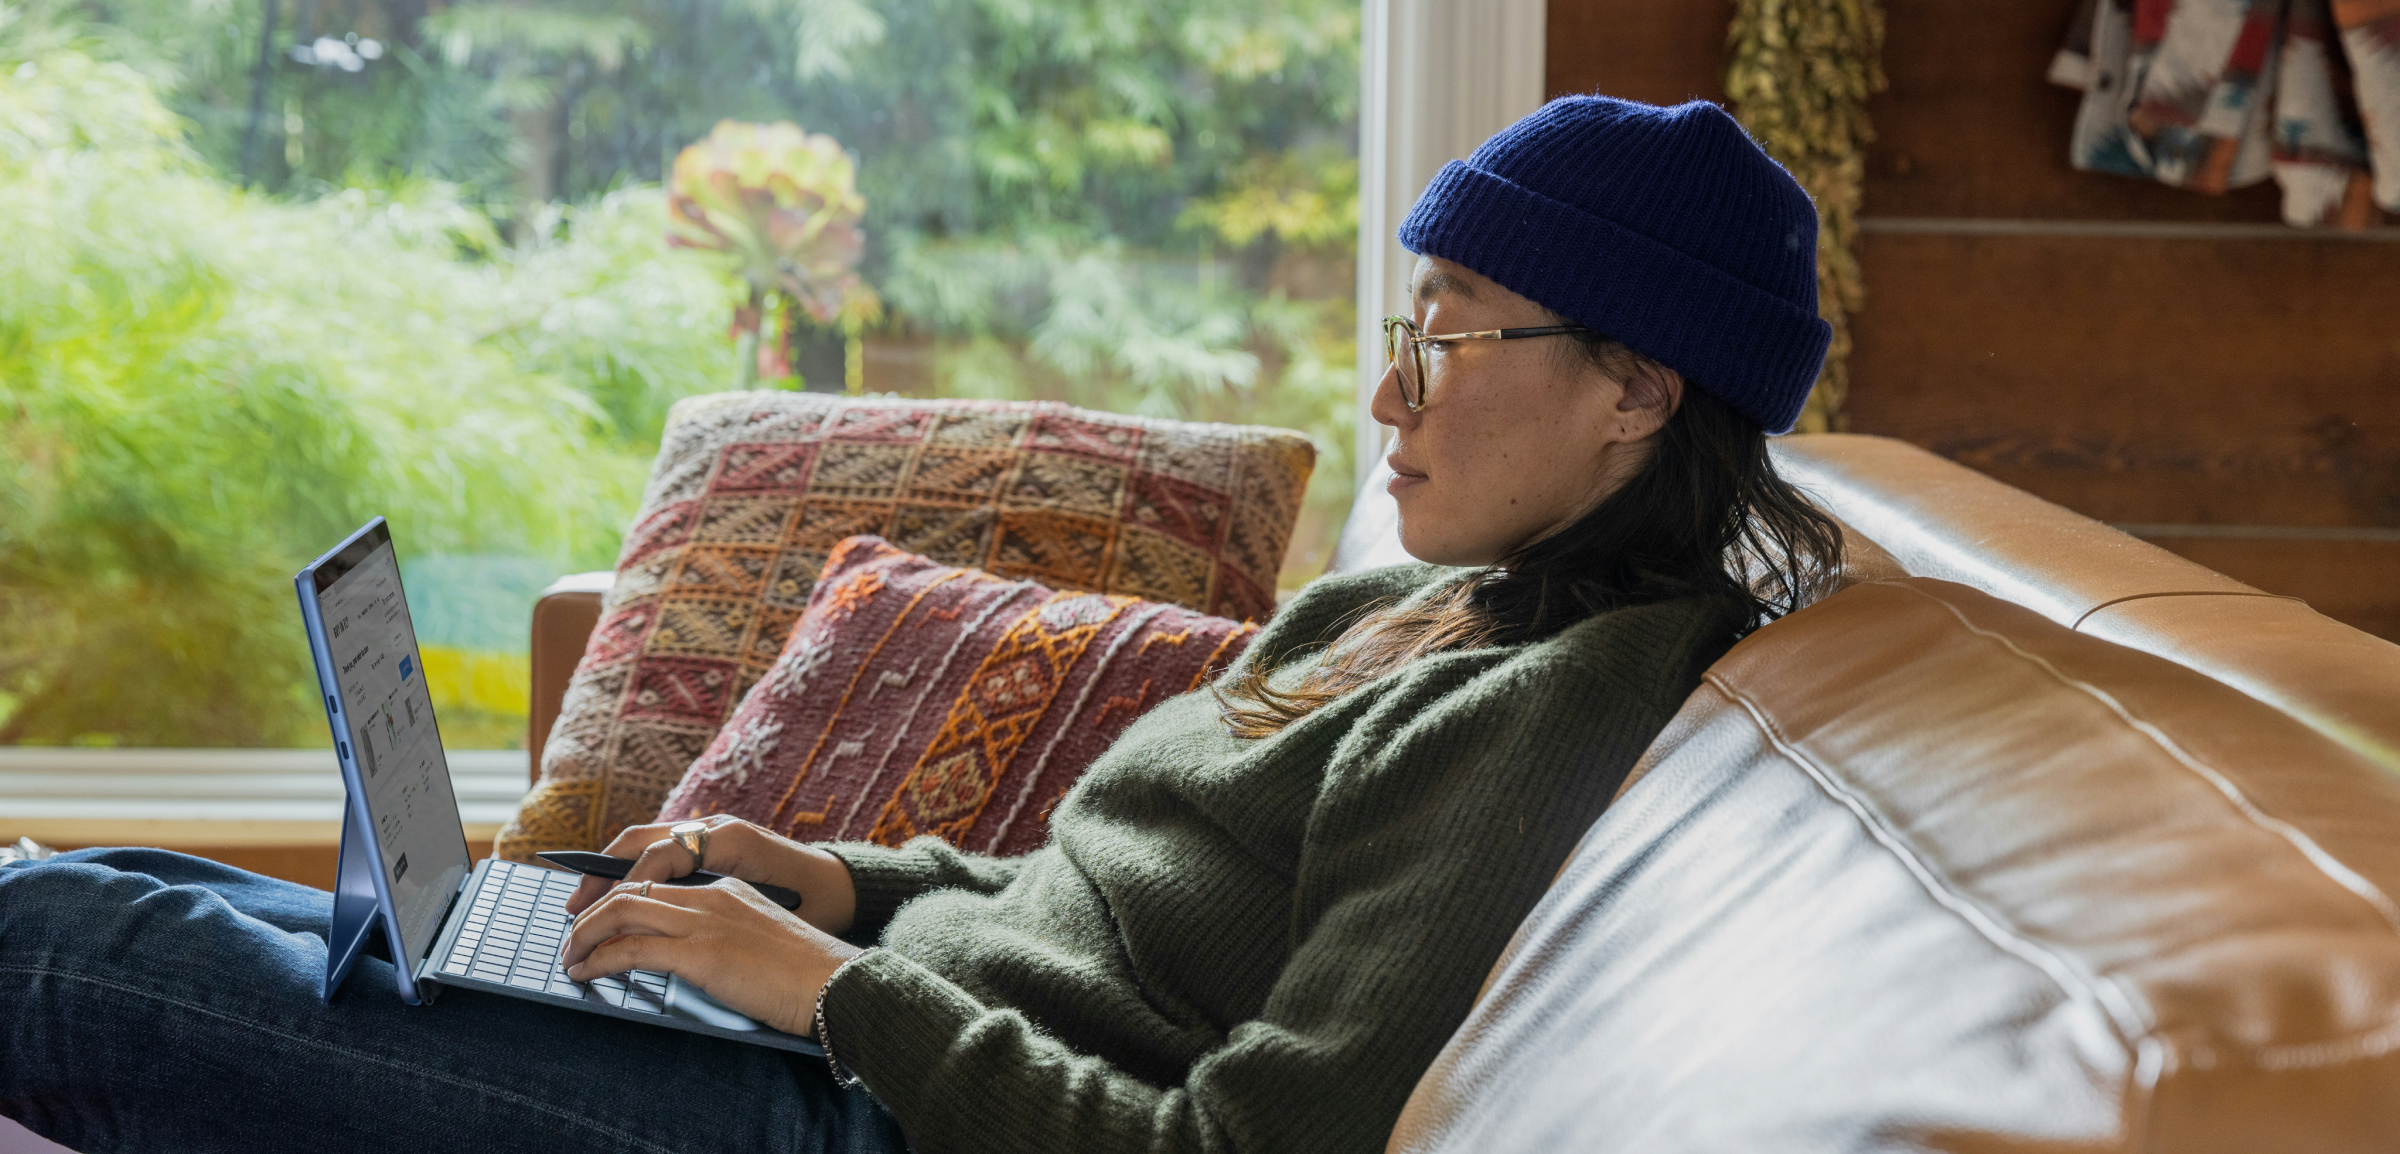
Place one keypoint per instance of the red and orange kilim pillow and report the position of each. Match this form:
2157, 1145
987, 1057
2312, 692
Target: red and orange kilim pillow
752, 490
919, 698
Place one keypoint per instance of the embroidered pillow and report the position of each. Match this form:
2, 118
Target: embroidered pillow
921, 698
751, 491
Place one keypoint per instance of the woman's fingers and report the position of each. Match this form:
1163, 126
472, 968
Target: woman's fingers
660, 860
647, 867
724, 938
632, 952
631, 840
668, 911
587, 891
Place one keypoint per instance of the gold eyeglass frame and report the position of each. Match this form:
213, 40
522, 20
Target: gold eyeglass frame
1396, 328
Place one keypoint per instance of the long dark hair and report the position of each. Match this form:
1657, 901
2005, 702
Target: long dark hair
1706, 517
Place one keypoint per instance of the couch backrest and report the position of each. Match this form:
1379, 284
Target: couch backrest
1937, 518
1917, 868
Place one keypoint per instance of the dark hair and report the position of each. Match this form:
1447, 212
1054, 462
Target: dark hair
1707, 517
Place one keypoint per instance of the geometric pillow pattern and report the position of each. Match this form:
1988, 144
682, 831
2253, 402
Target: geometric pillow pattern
751, 492
920, 698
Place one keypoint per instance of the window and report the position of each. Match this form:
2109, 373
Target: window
275, 266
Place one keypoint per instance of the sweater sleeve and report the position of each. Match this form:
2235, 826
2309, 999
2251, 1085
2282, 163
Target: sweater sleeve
886, 878
1451, 799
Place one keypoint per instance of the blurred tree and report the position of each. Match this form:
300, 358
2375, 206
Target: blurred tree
200, 388
447, 299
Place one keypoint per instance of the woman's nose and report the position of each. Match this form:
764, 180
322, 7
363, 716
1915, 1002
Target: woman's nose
1386, 407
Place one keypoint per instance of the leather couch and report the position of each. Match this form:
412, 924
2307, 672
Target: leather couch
2032, 837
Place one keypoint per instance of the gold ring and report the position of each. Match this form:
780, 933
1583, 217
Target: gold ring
693, 837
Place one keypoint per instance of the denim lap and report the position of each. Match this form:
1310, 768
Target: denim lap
154, 1001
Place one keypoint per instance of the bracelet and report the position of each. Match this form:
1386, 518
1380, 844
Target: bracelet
842, 1077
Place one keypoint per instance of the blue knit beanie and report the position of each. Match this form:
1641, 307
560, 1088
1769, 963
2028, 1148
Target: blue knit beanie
1665, 228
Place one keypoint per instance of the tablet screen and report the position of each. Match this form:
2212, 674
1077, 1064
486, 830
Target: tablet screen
392, 734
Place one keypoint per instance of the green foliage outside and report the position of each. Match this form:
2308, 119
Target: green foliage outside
435, 287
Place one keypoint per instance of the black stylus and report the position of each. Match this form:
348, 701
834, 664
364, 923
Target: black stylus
602, 865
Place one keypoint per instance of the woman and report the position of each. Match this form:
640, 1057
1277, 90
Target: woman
1260, 914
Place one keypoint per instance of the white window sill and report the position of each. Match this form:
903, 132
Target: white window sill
216, 797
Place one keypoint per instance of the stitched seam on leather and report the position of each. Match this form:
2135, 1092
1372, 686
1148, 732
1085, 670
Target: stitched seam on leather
2130, 1022
2326, 863
2087, 614
320, 1044
2146, 1053
2374, 1042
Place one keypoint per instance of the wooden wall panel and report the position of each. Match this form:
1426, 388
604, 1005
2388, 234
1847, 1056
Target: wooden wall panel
2228, 381
1638, 49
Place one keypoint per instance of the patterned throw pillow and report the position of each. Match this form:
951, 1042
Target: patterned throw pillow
752, 490
919, 698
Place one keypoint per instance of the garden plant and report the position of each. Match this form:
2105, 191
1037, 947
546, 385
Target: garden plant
269, 267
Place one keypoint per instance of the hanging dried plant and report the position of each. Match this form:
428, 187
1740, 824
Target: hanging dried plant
1799, 80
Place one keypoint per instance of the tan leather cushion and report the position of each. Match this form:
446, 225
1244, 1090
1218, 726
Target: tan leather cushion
1941, 519
1918, 869
2335, 679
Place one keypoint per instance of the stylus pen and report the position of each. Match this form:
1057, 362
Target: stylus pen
608, 866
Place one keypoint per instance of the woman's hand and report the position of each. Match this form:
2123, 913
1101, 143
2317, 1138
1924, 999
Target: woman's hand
725, 938
739, 849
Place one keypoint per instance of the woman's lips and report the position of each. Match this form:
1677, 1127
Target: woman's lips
1403, 477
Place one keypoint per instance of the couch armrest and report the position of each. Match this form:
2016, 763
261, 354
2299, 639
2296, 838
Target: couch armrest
563, 619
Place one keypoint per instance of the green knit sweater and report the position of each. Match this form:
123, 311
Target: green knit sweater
1253, 945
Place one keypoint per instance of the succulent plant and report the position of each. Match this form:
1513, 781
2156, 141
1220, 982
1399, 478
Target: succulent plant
780, 208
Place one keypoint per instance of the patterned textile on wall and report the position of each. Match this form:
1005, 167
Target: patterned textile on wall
919, 698
751, 491
2219, 94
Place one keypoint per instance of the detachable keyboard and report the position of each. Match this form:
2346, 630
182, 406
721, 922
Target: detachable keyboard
503, 935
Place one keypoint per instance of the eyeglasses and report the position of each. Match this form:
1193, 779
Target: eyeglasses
1413, 370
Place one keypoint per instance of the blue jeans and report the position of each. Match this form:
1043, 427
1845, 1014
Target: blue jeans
154, 1001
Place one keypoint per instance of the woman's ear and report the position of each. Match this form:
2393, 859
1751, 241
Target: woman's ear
1652, 394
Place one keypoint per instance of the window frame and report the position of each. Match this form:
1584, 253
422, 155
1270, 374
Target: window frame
1436, 78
